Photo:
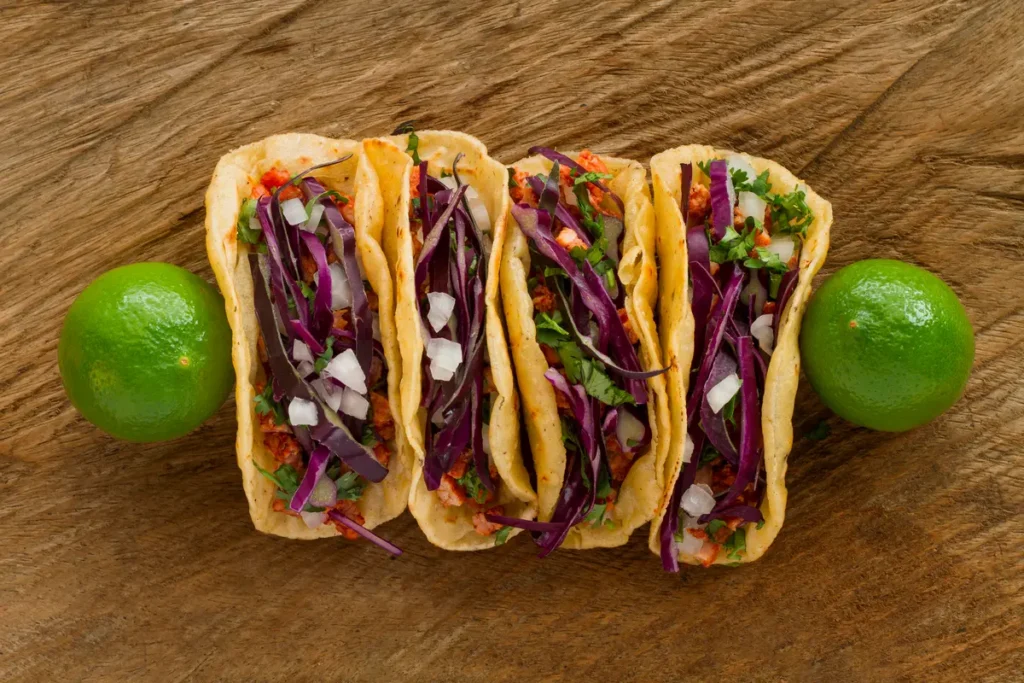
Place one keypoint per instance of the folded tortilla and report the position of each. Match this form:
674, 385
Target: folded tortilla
450, 527
677, 336
639, 494
233, 180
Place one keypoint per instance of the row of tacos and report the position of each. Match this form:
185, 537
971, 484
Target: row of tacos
406, 309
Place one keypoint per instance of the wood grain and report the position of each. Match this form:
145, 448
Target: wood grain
901, 556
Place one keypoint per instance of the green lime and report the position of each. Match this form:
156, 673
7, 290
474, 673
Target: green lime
887, 345
145, 352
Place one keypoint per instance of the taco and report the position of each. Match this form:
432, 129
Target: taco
293, 229
740, 239
579, 282
444, 228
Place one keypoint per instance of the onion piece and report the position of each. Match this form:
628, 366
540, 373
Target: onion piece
478, 209
761, 330
445, 356
341, 295
300, 352
345, 368
328, 392
688, 449
441, 306
750, 205
302, 413
354, 404
783, 246
294, 211
629, 429
325, 493
254, 222
449, 182
315, 214
698, 500
690, 545
305, 368
722, 393
313, 519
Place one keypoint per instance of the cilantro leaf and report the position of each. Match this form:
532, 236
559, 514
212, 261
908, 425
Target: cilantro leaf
285, 477
759, 186
730, 408
501, 535
774, 282
324, 358
544, 321
590, 177
350, 486
766, 259
245, 214
512, 184
414, 147
705, 167
599, 385
475, 488
708, 455
736, 544
596, 515
266, 405
790, 213
714, 526
369, 437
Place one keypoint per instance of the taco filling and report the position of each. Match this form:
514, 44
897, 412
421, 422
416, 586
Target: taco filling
450, 231
574, 226
743, 243
323, 409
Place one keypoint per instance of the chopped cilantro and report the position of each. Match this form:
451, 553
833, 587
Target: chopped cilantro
350, 486
531, 284
245, 214
760, 524
550, 271
369, 437
475, 488
501, 535
774, 281
512, 184
590, 177
414, 147
819, 433
599, 385
551, 322
596, 516
790, 213
307, 291
445, 173
324, 358
285, 477
266, 405
713, 527
705, 167
730, 407
766, 259
736, 544
708, 455
760, 185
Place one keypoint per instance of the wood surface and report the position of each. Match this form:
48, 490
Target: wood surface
901, 555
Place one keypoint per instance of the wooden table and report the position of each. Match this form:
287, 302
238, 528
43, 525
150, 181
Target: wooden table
901, 556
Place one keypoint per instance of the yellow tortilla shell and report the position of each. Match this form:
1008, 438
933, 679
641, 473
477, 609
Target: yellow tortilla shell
233, 180
677, 330
450, 527
639, 494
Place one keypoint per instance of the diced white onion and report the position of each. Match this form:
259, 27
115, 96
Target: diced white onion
315, 214
690, 545
440, 373
294, 211
301, 352
375, 324
305, 368
445, 354
341, 295
722, 393
330, 393
629, 430
345, 368
441, 307
485, 431
313, 519
570, 197
698, 500
302, 412
761, 330
354, 404
254, 222
324, 494
478, 209
449, 182
783, 246
688, 449
752, 205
